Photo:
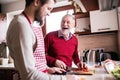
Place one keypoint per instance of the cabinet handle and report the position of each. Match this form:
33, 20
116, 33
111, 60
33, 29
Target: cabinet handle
103, 29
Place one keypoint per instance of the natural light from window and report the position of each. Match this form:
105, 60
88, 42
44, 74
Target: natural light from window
53, 21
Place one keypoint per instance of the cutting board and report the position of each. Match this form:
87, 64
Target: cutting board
76, 71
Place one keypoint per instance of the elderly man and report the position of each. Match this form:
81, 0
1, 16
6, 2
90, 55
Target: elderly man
61, 46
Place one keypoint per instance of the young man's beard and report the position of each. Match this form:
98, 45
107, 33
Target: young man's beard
39, 18
40, 21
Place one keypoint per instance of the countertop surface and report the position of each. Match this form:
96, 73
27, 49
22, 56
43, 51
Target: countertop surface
7, 66
99, 74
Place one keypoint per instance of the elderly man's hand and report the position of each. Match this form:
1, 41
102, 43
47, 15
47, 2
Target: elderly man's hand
82, 66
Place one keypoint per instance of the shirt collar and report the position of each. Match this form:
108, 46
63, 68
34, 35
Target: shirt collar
60, 34
36, 24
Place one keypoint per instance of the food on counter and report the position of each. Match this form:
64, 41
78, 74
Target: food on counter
109, 65
78, 71
116, 73
108, 60
83, 69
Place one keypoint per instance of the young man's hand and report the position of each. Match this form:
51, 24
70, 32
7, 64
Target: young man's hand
60, 64
55, 70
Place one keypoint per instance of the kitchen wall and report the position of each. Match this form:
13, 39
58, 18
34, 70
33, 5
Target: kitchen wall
9, 7
108, 41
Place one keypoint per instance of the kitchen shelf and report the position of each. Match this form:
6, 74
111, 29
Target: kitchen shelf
89, 32
81, 15
83, 33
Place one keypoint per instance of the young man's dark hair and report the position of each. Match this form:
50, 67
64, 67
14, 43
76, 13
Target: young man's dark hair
28, 2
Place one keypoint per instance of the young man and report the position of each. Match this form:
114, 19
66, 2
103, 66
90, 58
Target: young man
26, 44
61, 46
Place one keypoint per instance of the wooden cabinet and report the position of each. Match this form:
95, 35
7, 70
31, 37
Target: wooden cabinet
82, 18
7, 74
98, 21
82, 22
102, 21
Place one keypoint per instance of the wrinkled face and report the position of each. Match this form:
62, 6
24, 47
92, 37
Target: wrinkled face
67, 24
43, 11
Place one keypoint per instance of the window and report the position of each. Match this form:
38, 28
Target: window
53, 21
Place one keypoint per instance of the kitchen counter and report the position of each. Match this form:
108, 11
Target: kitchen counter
7, 71
7, 66
100, 73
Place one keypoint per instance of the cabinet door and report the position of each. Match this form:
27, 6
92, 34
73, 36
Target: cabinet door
103, 20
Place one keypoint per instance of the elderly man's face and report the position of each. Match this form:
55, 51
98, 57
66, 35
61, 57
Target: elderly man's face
67, 24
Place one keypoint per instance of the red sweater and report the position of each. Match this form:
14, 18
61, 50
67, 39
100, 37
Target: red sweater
59, 48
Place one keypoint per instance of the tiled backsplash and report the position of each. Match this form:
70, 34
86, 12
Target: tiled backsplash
108, 41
